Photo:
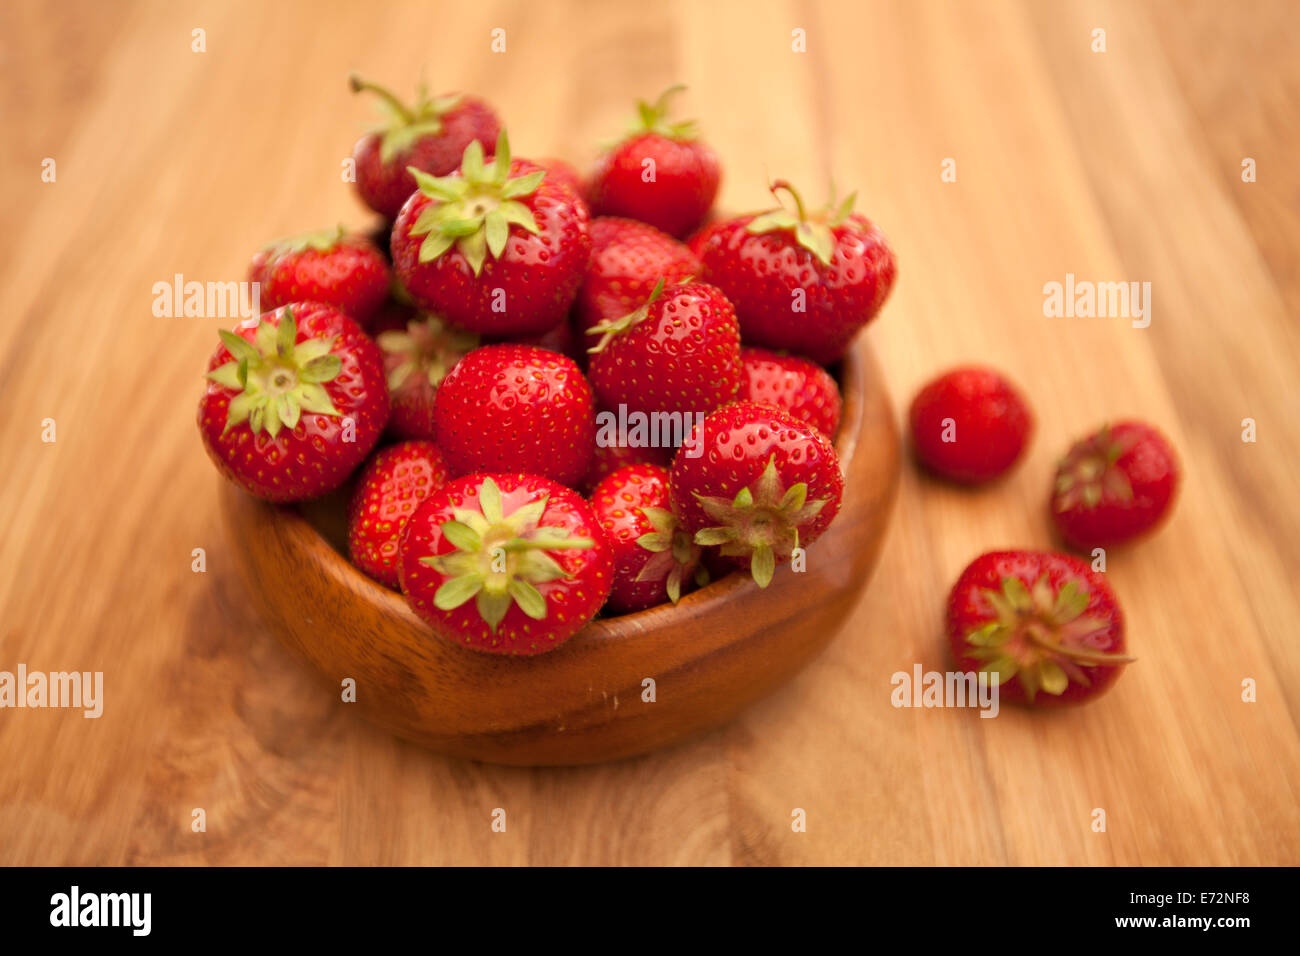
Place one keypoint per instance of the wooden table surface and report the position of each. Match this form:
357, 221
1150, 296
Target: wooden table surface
1123, 165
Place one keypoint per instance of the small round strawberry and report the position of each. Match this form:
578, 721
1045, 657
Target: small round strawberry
970, 425
762, 484
430, 136
654, 557
508, 564
416, 360
610, 456
346, 271
294, 403
678, 353
801, 281
660, 173
792, 384
1046, 624
1115, 485
393, 483
496, 248
506, 408
627, 259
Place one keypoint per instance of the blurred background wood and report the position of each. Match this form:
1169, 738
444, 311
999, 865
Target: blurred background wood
1123, 165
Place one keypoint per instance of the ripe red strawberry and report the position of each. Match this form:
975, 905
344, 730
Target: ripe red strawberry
627, 259
496, 248
392, 484
1115, 485
431, 136
802, 281
416, 360
294, 403
792, 384
346, 271
508, 564
763, 484
609, 457
1046, 624
678, 353
505, 408
970, 425
661, 173
654, 557
563, 173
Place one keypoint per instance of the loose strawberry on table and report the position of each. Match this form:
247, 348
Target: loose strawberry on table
678, 353
628, 258
496, 248
1047, 625
1116, 485
765, 484
655, 559
804, 281
793, 384
660, 173
294, 403
429, 135
329, 266
416, 360
508, 408
392, 485
970, 425
508, 564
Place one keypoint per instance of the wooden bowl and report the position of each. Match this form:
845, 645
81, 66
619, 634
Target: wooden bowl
718, 650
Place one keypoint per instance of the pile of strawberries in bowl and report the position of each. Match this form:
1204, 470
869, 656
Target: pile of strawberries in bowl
550, 396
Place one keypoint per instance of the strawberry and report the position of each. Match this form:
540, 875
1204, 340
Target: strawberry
801, 281
653, 555
416, 359
564, 174
627, 259
660, 173
346, 271
609, 457
508, 564
792, 384
293, 403
393, 483
1046, 624
496, 248
763, 484
1115, 485
678, 353
516, 408
430, 136
970, 425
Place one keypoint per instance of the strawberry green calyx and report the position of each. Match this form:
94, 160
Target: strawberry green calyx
609, 329
322, 240
429, 346
674, 552
1088, 472
499, 559
405, 123
811, 230
476, 207
276, 377
1039, 636
653, 118
761, 524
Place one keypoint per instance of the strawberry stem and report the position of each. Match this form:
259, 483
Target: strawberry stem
397, 105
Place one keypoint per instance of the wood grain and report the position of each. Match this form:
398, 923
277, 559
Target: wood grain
1116, 166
